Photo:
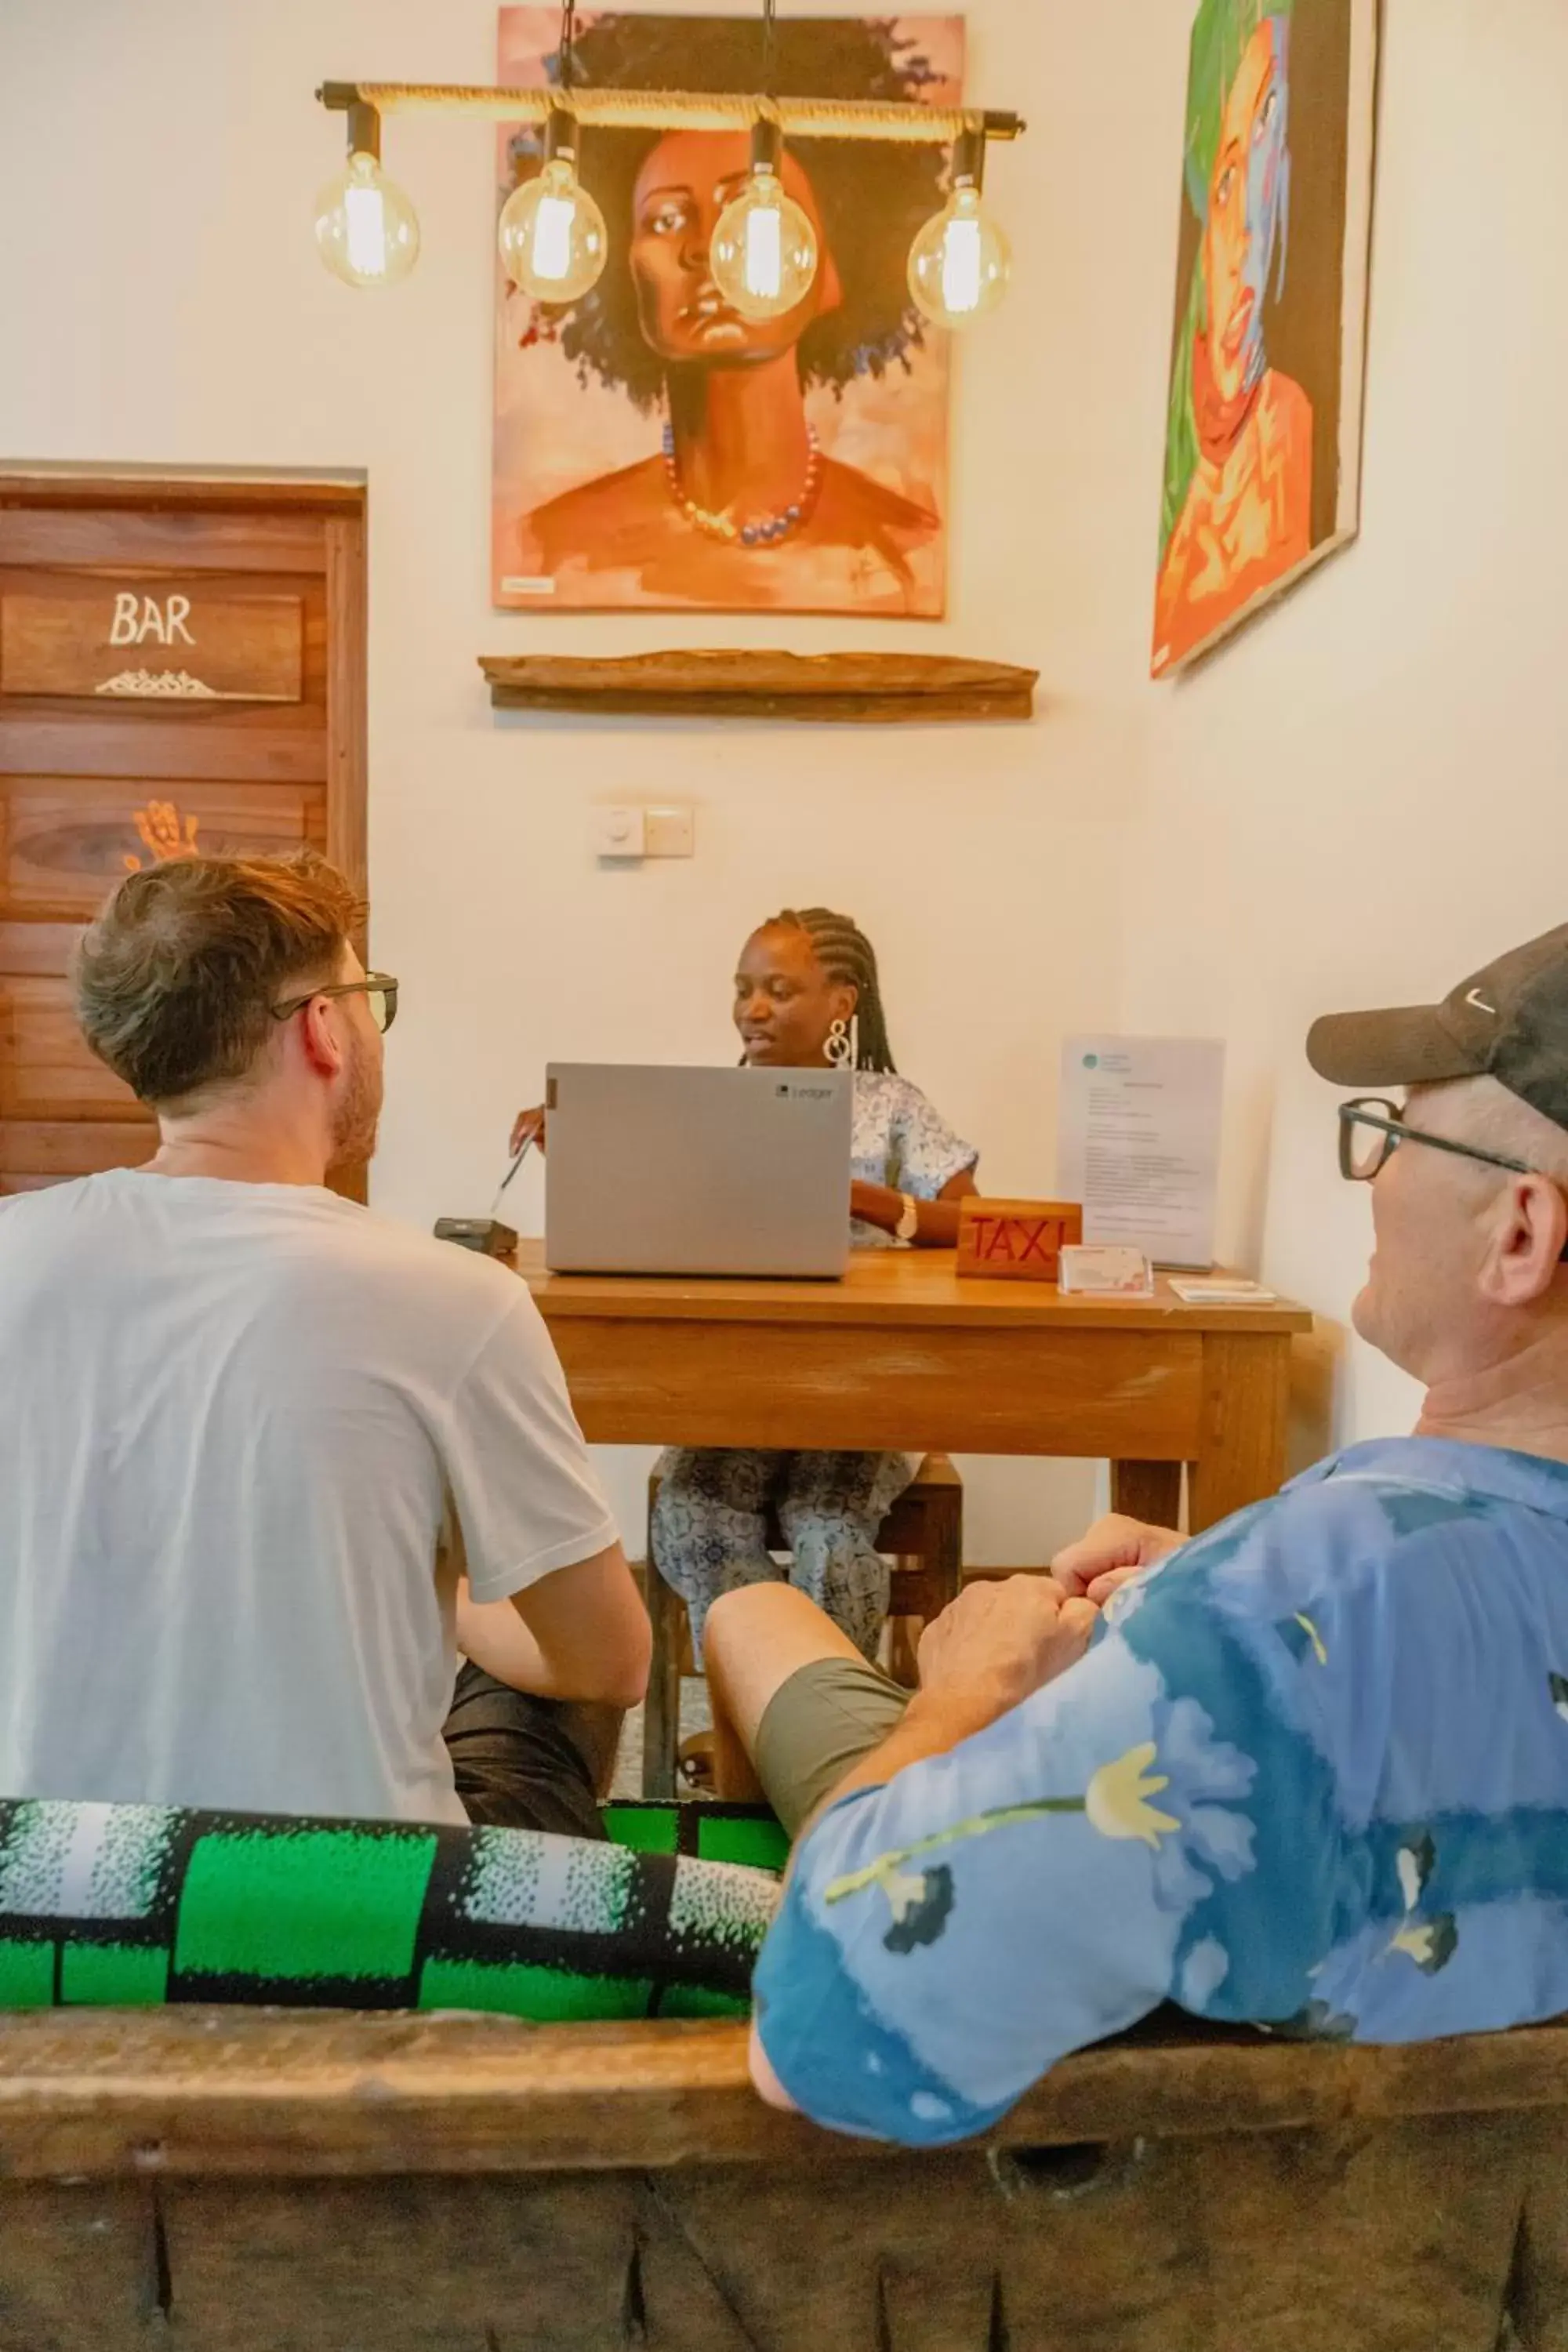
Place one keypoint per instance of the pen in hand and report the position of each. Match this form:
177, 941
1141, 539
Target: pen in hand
511, 1171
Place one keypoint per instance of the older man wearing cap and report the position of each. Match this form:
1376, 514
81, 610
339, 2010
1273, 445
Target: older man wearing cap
1308, 1770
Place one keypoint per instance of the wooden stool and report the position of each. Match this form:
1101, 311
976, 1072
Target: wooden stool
922, 1534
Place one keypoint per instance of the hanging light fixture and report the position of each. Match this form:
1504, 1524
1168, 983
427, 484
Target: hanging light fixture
553, 241
960, 262
764, 254
367, 232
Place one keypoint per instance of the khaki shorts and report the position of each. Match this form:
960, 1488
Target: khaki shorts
817, 1727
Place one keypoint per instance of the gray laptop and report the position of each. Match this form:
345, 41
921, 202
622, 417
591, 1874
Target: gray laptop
656, 1170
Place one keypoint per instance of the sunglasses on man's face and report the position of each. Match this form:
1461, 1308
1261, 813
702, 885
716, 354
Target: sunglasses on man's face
378, 989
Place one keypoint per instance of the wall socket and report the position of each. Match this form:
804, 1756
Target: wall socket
669, 832
634, 832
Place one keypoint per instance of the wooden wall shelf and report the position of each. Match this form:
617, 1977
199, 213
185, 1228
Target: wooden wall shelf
862, 690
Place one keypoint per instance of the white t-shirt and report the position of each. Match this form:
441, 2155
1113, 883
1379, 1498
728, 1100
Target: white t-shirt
231, 1418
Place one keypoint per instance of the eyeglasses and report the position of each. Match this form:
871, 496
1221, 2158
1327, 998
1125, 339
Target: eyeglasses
378, 989
1363, 1156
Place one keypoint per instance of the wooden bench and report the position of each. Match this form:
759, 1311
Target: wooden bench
251, 2181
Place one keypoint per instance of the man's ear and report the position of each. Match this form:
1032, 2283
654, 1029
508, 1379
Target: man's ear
1527, 1242
320, 1038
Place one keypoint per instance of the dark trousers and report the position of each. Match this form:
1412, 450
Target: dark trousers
525, 1763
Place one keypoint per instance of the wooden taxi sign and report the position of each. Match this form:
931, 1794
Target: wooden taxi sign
1017, 1240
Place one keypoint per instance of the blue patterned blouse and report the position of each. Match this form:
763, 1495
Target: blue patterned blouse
1312, 1775
899, 1140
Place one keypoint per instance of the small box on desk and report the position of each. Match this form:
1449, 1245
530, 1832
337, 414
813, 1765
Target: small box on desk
1017, 1240
484, 1234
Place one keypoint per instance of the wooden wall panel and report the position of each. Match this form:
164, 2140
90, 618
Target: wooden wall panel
46, 1069
346, 713
61, 740
223, 491
48, 1150
111, 540
89, 783
36, 947
66, 842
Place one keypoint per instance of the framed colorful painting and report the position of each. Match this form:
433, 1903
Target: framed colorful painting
1263, 442
654, 450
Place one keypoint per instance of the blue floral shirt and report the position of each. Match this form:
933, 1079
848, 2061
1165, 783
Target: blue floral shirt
901, 1141
1312, 1775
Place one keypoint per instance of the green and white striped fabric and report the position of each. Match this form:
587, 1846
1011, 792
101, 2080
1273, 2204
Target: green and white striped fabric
132, 1906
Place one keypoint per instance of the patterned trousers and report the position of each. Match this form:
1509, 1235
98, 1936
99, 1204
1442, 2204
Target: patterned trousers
709, 1529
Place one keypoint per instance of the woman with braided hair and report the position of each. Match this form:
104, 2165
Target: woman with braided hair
806, 992
806, 995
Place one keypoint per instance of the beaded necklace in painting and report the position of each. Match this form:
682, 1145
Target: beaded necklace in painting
766, 530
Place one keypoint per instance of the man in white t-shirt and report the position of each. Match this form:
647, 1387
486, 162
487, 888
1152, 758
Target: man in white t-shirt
237, 1412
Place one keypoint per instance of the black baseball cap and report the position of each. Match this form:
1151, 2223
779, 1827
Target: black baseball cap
1508, 1023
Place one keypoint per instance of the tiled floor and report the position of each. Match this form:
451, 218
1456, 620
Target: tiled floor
695, 1715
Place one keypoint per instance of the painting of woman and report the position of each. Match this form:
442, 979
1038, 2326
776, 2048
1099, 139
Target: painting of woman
652, 447
1262, 441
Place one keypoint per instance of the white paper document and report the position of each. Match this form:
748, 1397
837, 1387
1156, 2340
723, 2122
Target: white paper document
1138, 1142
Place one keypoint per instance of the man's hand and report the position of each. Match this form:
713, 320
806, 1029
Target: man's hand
995, 1647
1000, 1643
1114, 1551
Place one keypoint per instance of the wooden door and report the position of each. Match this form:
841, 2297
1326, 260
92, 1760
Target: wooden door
182, 669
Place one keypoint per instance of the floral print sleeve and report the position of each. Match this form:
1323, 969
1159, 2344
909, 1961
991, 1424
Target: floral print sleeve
902, 1139
947, 1939
1273, 1792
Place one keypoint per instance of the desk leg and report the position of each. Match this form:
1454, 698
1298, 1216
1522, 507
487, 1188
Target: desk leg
1150, 1491
1247, 1386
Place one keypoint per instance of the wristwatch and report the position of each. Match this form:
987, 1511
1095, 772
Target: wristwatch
908, 1224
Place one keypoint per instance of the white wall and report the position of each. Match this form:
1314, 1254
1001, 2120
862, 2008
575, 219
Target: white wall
1367, 796
163, 303
1355, 799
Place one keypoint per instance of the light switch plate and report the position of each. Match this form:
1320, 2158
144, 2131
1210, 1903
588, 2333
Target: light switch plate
619, 833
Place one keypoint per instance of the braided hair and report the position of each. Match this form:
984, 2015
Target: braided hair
847, 955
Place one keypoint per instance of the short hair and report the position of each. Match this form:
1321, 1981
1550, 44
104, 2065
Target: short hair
1493, 1116
176, 978
847, 955
874, 197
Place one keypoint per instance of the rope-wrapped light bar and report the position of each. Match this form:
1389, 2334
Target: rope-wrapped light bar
765, 251
677, 110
